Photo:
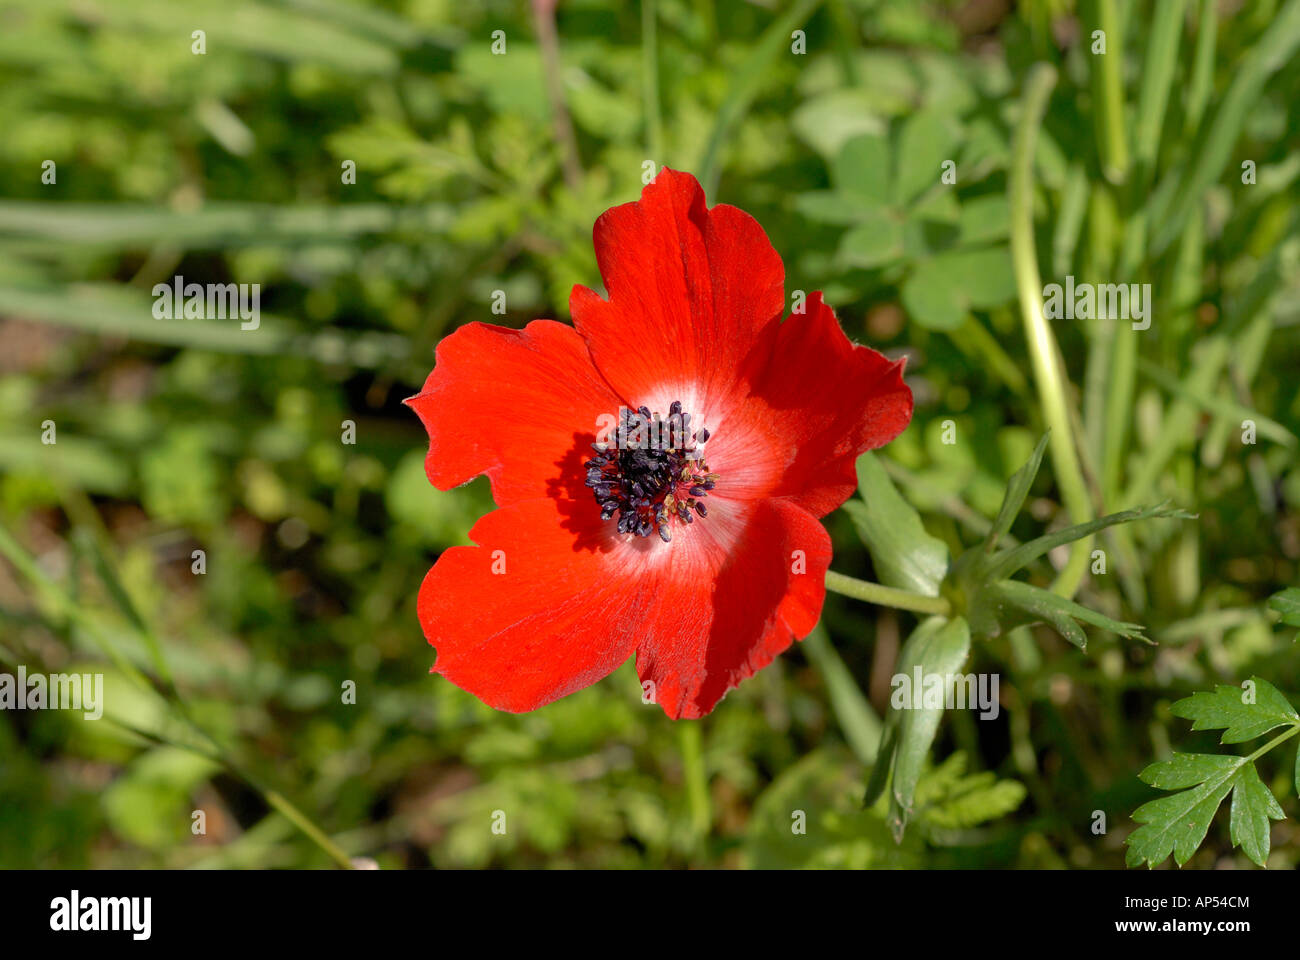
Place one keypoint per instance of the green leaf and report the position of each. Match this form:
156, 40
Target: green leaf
1253, 805
884, 764
928, 138
834, 206
931, 302
984, 219
1007, 603
1009, 561
1017, 489
938, 648
1227, 708
861, 168
949, 799
931, 226
837, 833
828, 121
1287, 603
874, 242
1177, 824
943, 289
904, 555
1184, 770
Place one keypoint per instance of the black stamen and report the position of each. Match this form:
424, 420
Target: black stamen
640, 476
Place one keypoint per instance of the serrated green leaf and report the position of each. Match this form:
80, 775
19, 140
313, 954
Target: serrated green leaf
1228, 708
1253, 805
1287, 603
1184, 770
1017, 489
1178, 823
904, 555
939, 652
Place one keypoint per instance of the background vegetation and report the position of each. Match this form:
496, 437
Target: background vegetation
192, 434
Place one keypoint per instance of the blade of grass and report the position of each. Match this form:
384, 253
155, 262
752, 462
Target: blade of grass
1198, 87
1108, 89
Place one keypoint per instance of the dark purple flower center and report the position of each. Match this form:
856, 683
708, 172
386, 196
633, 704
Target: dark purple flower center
651, 471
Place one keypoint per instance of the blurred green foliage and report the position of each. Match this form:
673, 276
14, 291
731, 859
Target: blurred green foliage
185, 435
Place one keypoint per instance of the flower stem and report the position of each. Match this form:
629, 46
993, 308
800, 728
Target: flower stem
1049, 377
884, 596
697, 783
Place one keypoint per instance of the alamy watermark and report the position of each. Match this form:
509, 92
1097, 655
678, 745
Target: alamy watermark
1098, 301
946, 691
75, 913
57, 691
208, 301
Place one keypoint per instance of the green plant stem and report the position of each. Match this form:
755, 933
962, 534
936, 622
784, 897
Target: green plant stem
697, 781
1280, 738
884, 596
313, 832
1049, 375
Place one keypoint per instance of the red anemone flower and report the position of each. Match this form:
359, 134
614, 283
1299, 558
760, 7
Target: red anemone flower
659, 467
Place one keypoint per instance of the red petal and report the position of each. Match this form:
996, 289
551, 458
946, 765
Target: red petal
519, 405
733, 599
819, 404
691, 292
563, 608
